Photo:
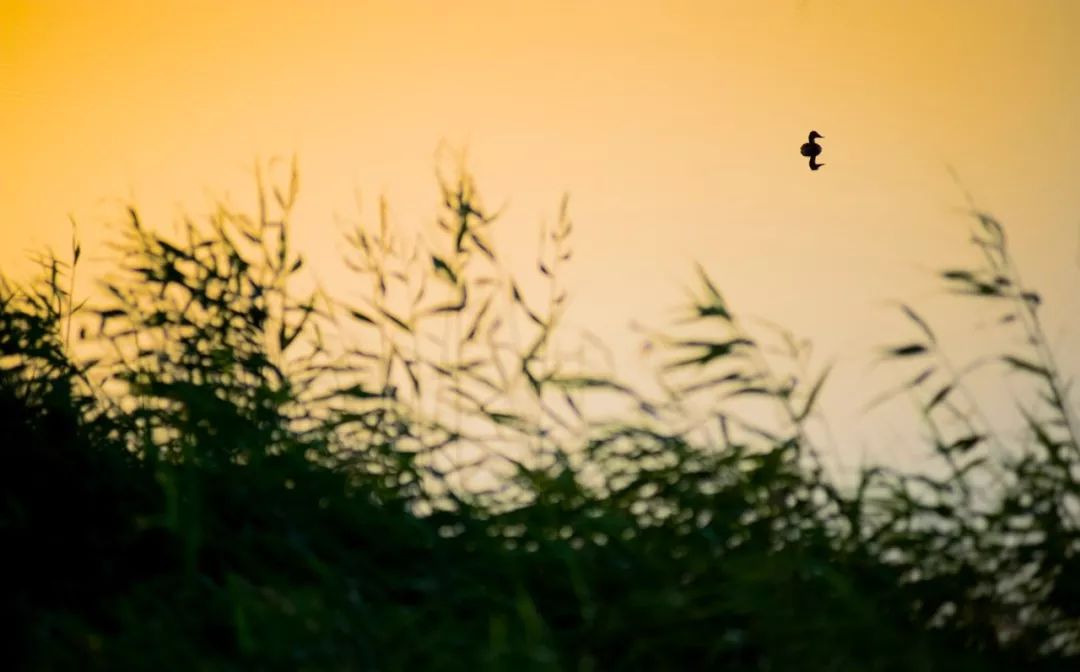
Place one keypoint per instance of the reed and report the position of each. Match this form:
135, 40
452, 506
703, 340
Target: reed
211, 467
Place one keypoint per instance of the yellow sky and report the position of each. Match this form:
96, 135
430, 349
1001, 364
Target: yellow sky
674, 126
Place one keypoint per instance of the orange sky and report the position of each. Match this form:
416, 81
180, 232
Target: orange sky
674, 126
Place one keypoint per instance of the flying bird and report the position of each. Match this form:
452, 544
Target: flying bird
811, 149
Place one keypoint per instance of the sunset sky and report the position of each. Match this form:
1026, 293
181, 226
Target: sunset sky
673, 126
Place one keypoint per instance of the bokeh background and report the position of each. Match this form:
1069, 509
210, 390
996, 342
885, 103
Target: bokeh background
674, 127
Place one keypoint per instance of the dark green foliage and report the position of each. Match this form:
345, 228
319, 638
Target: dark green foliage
241, 480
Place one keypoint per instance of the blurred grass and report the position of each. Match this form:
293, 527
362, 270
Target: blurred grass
213, 469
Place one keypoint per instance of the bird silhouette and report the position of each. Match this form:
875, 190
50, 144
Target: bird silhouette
811, 149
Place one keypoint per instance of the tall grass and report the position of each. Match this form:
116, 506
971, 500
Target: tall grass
214, 468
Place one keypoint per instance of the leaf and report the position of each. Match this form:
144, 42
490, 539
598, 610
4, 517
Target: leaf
711, 382
447, 308
535, 318
533, 381
921, 378
583, 382
965, 444
909, 350
573, 406
753, 390
442, 268
1024, 365
420, 292
357, 391
812, 397
412, 376
455, 307
508, 420
395, 319
984, 289
483, 247
469, 365
938, 397
294, 180
715, 306
991, 225
516, 294
460, 237
711, 351
709, 286
920, 322
440, 369
959, 275
111, 313
456, 390
476, 321
360, 316
472, 375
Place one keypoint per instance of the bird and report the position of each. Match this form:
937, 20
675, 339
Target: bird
811, 149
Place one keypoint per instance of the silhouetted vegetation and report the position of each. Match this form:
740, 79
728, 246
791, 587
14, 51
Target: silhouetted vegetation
212, 467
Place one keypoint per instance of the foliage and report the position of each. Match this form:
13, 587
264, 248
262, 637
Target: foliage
219, 470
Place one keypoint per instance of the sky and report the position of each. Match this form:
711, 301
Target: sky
673, 127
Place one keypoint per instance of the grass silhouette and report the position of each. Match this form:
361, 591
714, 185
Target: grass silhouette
214, 469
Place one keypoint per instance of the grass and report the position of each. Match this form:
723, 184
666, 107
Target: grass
214, 469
